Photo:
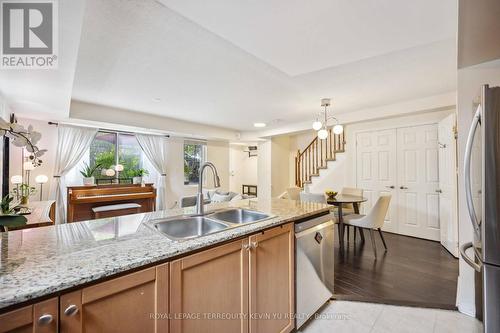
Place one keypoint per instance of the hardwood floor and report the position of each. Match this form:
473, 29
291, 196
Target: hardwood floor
413, 272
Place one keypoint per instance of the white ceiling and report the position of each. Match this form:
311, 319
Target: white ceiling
303, 36
233, 63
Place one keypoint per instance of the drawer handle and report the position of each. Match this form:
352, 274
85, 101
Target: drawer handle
45, 319
71, 310
254, 245
246, 247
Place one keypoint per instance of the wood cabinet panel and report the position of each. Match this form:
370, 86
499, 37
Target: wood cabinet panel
40, 317
126, 304
70, 306
207, 284
18, 321
48, 308
272, 284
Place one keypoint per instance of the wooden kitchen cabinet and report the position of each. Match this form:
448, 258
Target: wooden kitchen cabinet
209, 283
251, 281
272, 284
244, 286
137, 302
41, 317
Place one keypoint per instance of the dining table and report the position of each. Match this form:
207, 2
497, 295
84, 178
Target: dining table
338, 201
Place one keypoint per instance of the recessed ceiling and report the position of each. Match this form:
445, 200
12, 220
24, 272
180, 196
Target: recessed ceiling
299, 37
145, 56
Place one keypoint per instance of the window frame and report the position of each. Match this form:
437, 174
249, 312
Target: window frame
202, 159
100, 177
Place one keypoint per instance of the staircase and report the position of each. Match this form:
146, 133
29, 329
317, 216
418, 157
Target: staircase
315, 157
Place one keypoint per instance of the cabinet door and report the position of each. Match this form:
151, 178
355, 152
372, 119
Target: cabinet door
272, 280
133, 303
209, 291
38, 318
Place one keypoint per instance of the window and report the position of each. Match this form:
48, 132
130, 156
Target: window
110, 148
194, 157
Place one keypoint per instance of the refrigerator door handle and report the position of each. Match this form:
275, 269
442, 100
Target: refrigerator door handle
467, 161
468, 260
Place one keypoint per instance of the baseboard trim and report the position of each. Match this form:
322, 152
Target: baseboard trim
355, 298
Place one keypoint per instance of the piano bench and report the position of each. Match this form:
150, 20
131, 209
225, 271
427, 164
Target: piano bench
116, 210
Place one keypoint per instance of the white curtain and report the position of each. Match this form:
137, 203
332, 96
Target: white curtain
72, 144
154, 147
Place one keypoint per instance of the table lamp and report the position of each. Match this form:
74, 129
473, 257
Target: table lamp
16, 180
41, 179
118, 168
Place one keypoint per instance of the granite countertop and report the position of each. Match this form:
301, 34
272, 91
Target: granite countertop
42, 261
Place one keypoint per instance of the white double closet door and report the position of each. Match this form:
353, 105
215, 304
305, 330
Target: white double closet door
403, 162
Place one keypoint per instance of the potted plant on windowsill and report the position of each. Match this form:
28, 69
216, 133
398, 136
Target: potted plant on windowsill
138, 175
88, 174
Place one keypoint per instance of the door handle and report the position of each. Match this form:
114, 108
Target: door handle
71, 310
467, 161
403, 188
391, 187
439, 191
466, 258
45, 319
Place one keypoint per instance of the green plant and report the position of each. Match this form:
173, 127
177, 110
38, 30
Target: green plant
5, 204
140, 172
24, 190
88, 171
8, 219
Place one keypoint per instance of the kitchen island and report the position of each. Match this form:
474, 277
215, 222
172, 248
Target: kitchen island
49, 262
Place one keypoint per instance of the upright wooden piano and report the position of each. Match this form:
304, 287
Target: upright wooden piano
84, 201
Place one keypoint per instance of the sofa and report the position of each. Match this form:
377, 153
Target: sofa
212, 195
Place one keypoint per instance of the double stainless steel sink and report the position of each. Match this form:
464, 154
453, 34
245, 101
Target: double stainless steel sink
188, 227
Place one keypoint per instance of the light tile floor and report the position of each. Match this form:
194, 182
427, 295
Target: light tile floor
359, 317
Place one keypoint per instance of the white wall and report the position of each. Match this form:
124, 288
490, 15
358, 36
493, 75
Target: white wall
470, 80
102, 115
49, 142
280, 152
242, 169
264, 170
342, 172
217, 152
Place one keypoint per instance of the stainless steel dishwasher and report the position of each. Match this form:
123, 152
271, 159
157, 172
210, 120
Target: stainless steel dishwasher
314, 267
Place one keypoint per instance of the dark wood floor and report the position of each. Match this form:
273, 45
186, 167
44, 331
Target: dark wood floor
412, 272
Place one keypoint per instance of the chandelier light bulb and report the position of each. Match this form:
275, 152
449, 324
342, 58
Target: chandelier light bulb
338, 129
322, 134
317, 125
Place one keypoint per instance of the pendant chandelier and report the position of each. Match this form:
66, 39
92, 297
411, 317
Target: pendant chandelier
322, 126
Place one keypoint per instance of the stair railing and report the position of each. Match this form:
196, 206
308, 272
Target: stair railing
316, 155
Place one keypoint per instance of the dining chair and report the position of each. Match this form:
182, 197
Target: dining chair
293, 193
320, 198
374, 220
312, 197
348, 208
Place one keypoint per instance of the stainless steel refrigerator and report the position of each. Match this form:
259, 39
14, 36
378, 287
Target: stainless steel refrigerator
482, 191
